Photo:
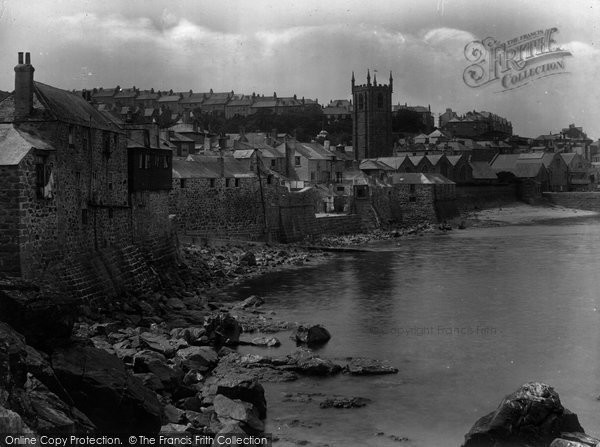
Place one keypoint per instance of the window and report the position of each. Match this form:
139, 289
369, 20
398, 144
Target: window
412, 188
237, 182
146, 138
109, 179
42, 175
312, 176
84, 216
71, 131
212, 182
297, 161
94, 180
338, 177
182, 183
273, 162
110, 213
165, 162
412, 199
227, 182
78, 178
147, 161
269, 179
340, 189
380, 100
361, 102
141, 161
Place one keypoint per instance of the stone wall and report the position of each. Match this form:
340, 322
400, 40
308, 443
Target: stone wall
473, 197
11, 179
578, 200
217, 207
342, 224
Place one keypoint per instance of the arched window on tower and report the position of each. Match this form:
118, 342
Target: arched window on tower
361, 102
380, 100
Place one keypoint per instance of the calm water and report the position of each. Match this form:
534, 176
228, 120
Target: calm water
467, 317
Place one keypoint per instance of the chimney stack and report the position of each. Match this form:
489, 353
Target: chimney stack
23, 87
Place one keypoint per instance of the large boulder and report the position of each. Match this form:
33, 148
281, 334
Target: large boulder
531, 416
13, 367
101, 387
246, 388
306, 362
45, 318
198, 358
11, 422
153, 362
236, 411
46, 413
360, 366
222, 329
311, 335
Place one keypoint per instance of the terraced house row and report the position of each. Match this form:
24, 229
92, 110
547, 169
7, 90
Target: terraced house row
228, 104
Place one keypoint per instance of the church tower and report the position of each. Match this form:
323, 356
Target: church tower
372, 118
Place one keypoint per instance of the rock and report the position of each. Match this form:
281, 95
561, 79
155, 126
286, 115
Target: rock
173, 414
305, 362
153, 362
13, 352
160, 343
270, 342
174, 428
192, 377
175, 303
199, 358
532, 415
344, 402
311, 336
45, 318
229, 411
575, 440
102, 388
48, 414
245, 388
11, 422
251, 301
248, 258
360, 366
222, 329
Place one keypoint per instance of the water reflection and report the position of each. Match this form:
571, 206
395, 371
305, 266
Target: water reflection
528, 295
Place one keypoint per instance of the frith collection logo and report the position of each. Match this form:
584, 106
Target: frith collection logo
516, 62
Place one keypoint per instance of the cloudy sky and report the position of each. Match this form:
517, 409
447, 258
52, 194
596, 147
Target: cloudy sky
310, 48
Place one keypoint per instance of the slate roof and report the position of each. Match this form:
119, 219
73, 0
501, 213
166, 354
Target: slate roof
51, 103
127, 93
411, 178
147, 95
336, 111
217, 99
15, 143
195, 98
454, 159
243, 153
244, 100
368, 164
482, 170
394, 162
207, 166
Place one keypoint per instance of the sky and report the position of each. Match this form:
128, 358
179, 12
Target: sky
310, 48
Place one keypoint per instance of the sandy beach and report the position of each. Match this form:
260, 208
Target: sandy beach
521, 213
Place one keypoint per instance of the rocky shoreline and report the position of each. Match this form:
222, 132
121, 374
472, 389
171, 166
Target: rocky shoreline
164, 363
167, 362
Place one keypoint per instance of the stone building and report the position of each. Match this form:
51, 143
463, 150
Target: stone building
372, 118
67, 193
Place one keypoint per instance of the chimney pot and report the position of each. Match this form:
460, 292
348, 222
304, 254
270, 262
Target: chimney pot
20, 58
27, 59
